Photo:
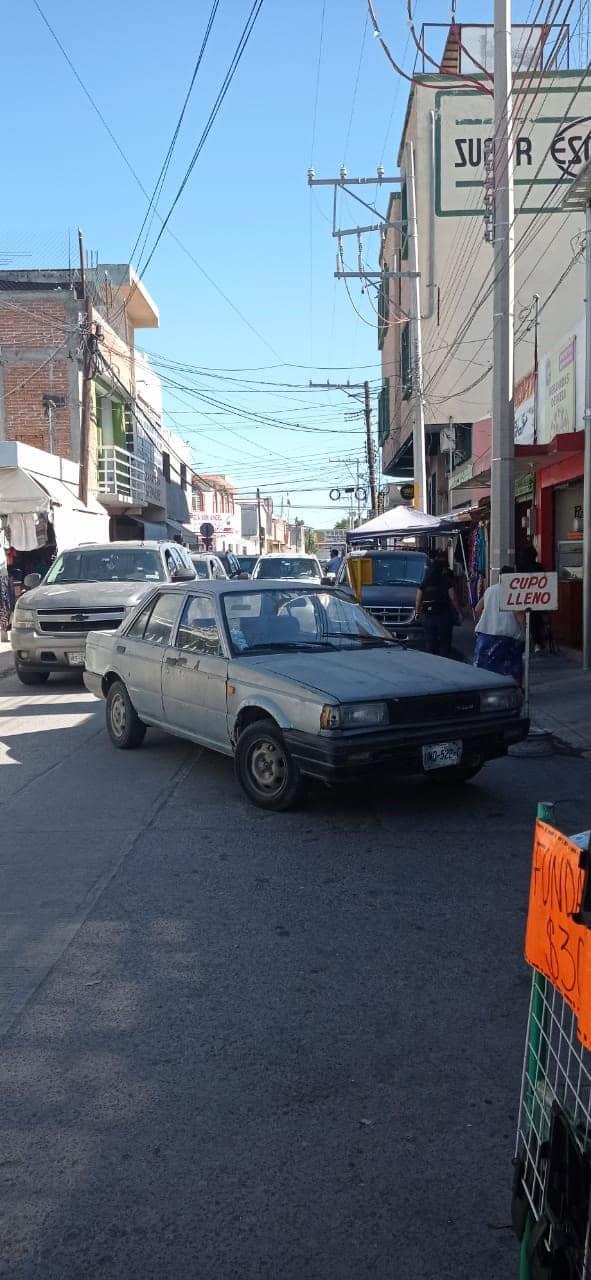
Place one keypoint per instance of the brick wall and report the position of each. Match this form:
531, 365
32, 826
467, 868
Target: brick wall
28, 322
25, 418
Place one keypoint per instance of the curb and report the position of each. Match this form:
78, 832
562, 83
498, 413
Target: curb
6, 665
562, 732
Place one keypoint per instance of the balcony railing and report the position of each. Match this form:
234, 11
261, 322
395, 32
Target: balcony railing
121, 476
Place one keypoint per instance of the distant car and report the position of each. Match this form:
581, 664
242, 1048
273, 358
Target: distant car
391, 598
208, 566
295, 681
231, 563
89, 588
247, 563
291, 567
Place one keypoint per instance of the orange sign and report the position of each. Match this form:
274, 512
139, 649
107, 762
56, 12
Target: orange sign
554, 943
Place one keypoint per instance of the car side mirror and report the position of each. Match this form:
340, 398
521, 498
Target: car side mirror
328, 580
243, 576
31, 580
182, 575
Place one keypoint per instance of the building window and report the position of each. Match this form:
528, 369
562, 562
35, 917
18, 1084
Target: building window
166, 466
384, 412
183, 475
405, 363
383, 307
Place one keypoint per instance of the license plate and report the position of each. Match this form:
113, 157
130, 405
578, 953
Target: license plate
76, 659
442, 755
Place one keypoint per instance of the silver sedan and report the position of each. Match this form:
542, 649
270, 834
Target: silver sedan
295, 681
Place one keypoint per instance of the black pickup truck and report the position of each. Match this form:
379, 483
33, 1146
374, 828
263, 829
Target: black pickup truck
391, 598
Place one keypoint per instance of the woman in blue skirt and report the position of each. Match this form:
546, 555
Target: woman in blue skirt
499, 638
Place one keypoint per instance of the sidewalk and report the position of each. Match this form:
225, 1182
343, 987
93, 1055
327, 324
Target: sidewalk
560, 692
6, 660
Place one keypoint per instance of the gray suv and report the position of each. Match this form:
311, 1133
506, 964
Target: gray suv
90, 588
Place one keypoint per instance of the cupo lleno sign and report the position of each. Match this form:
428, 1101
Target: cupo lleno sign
552, 141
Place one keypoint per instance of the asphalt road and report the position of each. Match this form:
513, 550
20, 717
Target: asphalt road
236, 1044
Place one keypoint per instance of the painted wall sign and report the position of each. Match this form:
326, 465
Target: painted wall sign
550, 146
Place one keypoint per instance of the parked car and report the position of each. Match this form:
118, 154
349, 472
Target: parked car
247, 563
207, 565
291, 567
89, 588
295, 681
391, 598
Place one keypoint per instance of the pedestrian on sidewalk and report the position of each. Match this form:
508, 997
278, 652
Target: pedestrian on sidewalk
437, 606
527, 562
499, 638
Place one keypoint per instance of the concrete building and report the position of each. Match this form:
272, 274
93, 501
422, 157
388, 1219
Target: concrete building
449, 127
214, 503
140, 472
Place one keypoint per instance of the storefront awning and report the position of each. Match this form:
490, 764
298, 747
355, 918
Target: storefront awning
20, 493
188, 534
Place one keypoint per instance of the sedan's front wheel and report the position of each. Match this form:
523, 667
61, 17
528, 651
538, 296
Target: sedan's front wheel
124, 726
265, 769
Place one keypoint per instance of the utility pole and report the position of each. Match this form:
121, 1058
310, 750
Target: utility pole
369, 445
261, 537
502, 496
418, 435
86, 382
348, 388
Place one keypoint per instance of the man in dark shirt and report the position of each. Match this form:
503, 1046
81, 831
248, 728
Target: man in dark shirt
437, 606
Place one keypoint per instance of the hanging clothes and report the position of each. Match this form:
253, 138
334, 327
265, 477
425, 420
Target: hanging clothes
23, 531
5, 594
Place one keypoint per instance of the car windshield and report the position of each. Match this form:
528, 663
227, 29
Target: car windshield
397, 570
293, 618
247, 563
287, 567
107, 564
200, 567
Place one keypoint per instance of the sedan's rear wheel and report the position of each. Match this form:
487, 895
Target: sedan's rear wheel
265, 770
124, 726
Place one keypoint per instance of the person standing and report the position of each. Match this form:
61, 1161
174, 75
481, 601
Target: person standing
334, 563
437, 606
498, 639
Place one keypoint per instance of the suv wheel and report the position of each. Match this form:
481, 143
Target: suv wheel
124, 726
265, 769
30, 677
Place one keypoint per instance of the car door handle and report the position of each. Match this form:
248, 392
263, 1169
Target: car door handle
120, 648
171, 662
181, 662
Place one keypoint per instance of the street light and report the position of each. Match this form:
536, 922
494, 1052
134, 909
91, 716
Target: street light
578, 197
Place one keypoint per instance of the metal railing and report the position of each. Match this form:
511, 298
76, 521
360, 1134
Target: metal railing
121, 475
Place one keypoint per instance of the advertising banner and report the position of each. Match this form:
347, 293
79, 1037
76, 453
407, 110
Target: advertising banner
524, 410
558, 391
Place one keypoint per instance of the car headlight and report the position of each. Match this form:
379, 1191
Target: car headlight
24, 619
354, 715
501, 700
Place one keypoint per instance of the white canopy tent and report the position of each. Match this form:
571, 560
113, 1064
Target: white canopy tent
403, 522
24, 491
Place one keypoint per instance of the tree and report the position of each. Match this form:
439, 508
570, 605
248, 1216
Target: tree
342, 524
310, 540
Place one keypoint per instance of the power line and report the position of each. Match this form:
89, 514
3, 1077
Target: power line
168, 157
229, 76
129, 166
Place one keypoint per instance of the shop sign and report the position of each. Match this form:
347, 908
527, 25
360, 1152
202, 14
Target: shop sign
557, 939
549, 149
558, 389
223, 522
525, 485
522, 591
154, 485
461, 475
524, 410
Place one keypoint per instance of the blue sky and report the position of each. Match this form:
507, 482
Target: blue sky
246, 215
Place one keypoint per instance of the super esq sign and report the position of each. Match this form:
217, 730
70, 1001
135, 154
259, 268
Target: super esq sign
551, 143
522, 591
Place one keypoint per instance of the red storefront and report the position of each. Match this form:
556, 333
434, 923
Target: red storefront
559, 525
